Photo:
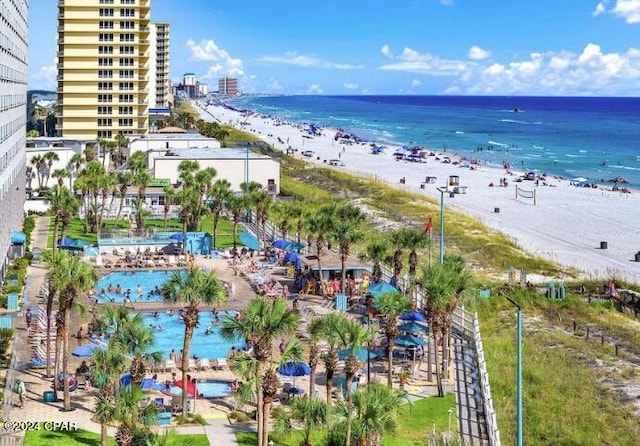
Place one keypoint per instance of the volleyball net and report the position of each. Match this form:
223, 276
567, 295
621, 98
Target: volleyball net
526, 195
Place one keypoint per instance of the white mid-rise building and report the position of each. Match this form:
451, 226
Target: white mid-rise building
13, 117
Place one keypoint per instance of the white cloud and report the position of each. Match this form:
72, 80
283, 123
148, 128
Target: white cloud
416, 83
293, 58
386, 51
591, 72
477, 53
424, 63
351, 85
274, 85
45, 78
208, 51
314, 89
628, 10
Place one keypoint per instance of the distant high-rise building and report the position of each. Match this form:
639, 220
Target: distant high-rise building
228, 86
189, 79
159, 81
13, 120
103, 67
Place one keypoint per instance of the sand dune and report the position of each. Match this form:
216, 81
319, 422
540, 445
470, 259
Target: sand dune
567, 224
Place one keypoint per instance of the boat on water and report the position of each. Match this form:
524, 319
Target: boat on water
515, 109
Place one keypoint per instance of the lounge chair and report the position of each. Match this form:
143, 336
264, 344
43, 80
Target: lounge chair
170, 364
192, 364
204, 364
220, 363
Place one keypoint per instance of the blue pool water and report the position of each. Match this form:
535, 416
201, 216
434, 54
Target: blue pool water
129, 280
202, 345
207, 388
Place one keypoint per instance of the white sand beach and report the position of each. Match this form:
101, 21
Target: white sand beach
567, 225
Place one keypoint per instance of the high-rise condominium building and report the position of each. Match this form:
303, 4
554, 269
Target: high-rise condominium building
159, 80
13, 116
228, 86
103, 67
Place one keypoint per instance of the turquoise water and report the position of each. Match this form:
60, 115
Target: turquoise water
130, 280
202, 345
593, 137
207, 389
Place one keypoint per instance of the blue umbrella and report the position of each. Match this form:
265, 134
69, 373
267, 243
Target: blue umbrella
151, 384
294, 368
178, 237
407, 340
86, 350
360, 354
249, 240
377, 289
293, 258
280, 244
412, 316
413, 327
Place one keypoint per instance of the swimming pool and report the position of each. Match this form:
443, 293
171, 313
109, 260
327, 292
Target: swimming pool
147, 280
207, 388
210, 346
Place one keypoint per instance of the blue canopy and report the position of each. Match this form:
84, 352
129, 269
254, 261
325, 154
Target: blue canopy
86, 350
360, 354
280, 244
294, 368
407, 340
293, 258
18, 238
412, 316
413, 327
249, 240
178, 237
377, 289
151, 384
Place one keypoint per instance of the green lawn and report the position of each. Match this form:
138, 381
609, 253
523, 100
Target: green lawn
84, 438
414, 422
75, 230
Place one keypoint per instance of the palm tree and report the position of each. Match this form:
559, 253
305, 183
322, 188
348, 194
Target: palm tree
60, 174
76, 279
169, 200
134, 417
54, 283
310, 411
391, 306
414, 240
345, 233
315, 329
372, 414
261, 323
328, 331
218, 195
106, 366
375, 252
192, 289
319, 226
352, 336
63, 205
124, 179
263, 203
444, 284
74, 167
236, 205
50, 157
40, 163
282, 215
136, 340
398, 242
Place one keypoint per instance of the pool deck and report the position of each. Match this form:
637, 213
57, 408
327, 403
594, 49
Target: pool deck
219, 431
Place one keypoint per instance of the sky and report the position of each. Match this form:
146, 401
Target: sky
376, 47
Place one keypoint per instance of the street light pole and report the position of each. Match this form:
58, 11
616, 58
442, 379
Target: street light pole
519, 427
442, 191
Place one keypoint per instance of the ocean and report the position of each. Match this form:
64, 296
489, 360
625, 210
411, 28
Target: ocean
595, 138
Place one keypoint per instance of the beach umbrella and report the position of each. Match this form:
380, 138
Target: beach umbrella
249, 240
294, 369
86, 350
361, 354
178, 237
412, 316
413, 327
407, 340
377, 289
151, 384
293, 258
280, 244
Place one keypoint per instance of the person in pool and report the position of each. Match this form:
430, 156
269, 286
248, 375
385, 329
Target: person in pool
139, 290
118, 289
208, 331
110, 288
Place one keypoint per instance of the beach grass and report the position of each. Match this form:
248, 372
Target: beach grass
82, 438
567, 380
